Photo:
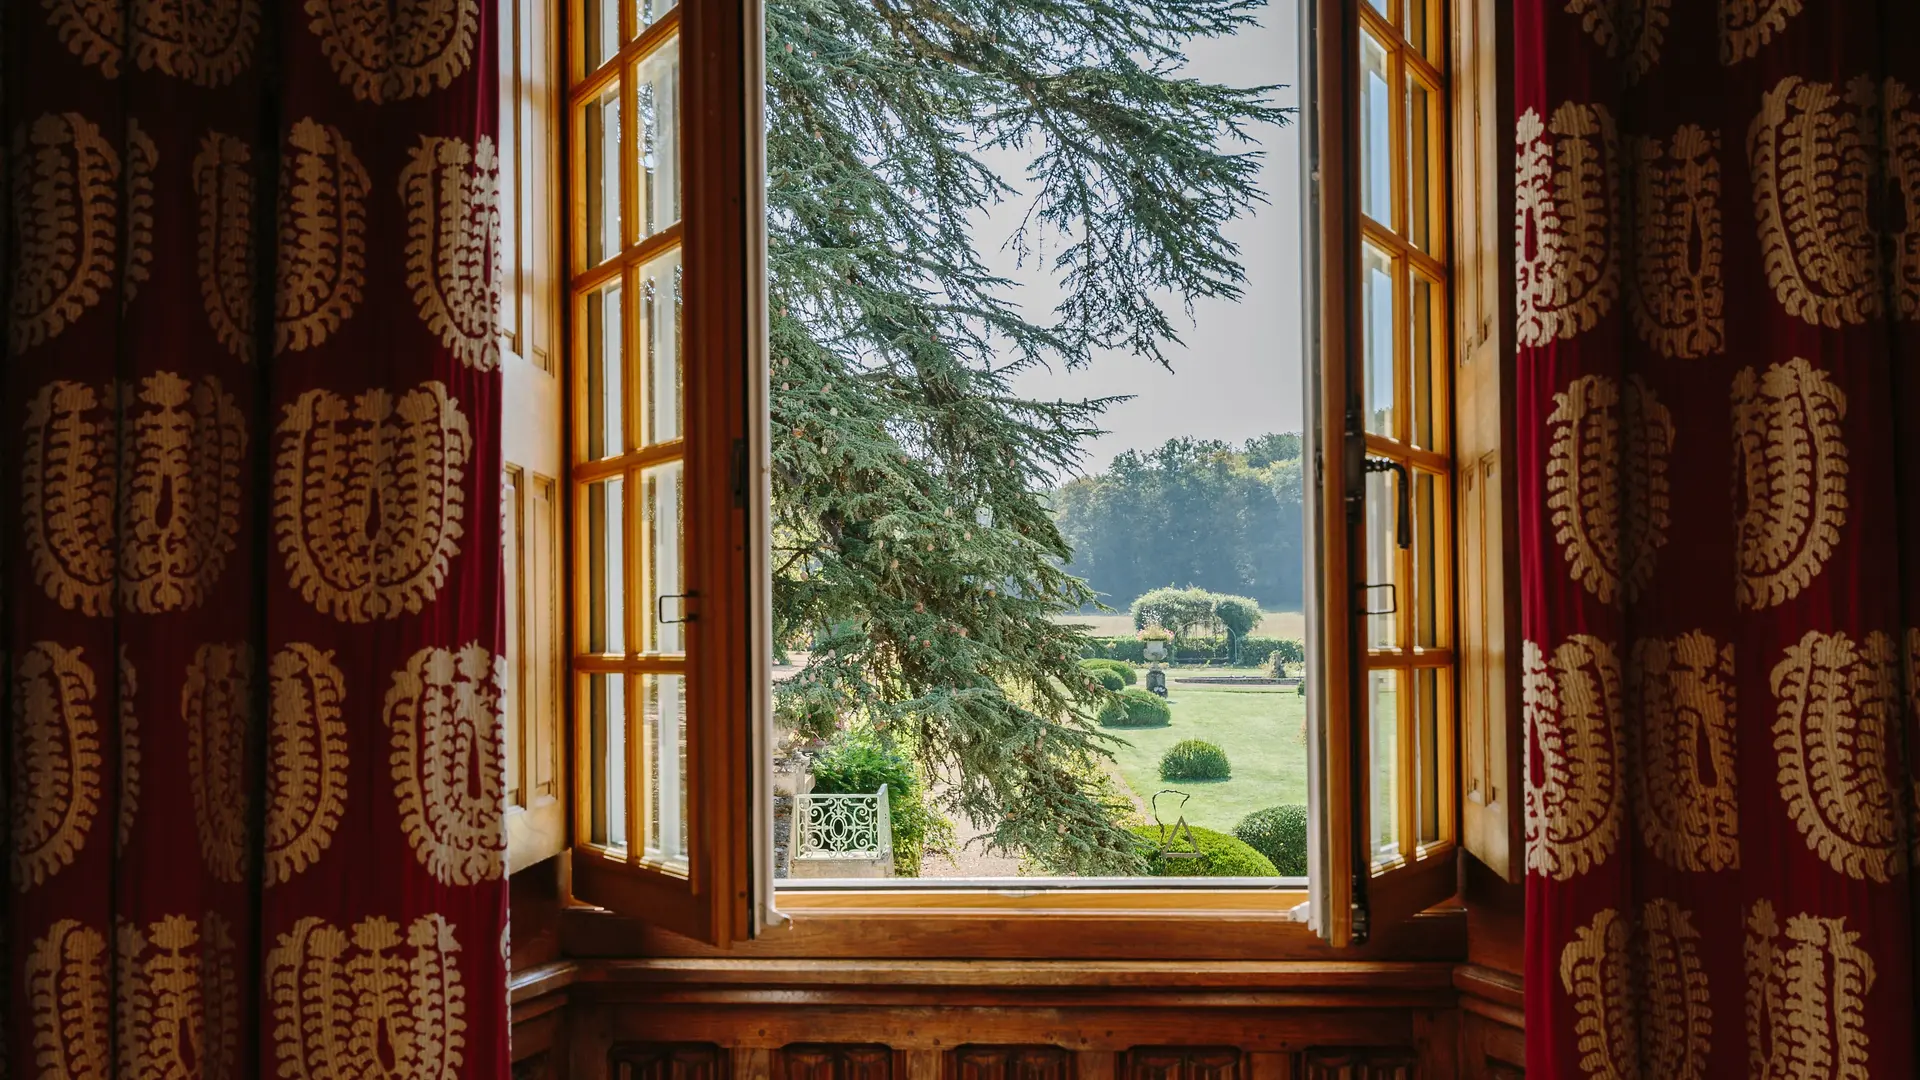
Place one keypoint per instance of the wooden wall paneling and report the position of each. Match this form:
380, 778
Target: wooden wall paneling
831, 1061
1181, 1063
1490, 1050
982, 1062
1360, 1064
666, 1061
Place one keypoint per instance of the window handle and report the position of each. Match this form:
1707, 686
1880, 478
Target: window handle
660, 608
1403, 513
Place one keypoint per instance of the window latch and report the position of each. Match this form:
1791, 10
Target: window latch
1403, 512
660, 608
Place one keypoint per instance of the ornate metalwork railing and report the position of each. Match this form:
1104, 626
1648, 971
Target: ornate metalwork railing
843, 826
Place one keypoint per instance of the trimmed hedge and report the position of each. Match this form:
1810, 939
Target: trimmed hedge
1254, 651
1108, 678
1279, 833
1119, 667
1220, 855
1195, 759
1135, 708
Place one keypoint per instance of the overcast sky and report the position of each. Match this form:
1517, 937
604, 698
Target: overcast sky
1237, 372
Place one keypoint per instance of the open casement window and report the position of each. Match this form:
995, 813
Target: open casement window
658, 302
1381, 534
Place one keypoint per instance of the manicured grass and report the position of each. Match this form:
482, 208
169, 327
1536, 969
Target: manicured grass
1258, 727
1286, 624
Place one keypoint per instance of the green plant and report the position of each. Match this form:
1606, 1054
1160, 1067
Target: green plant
1119, 667
1179, 610
857, 763
1135, 708
1239, 614
1279, 833
1108, 678
1195, 759
1220, 855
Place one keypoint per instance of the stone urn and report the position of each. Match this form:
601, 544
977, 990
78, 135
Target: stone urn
1155, 651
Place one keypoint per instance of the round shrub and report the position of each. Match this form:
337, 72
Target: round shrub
857, 763
1108, 678
1193, 759
1220, 855
1279, 833
1119, 667
1135, 708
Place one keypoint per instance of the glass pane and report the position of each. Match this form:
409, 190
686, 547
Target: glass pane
660, 306
1425, 318
657, 99
1383, 562
1419, 22
1383, 724
1426, 753
1376, 298
666, 608
647, 12
1419, 164
603, 176
1426, 555
606, 378
666, 713
607, 563
607, 723
600, 29
1376, 132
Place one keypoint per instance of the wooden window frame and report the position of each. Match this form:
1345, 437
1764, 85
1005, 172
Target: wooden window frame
712, 901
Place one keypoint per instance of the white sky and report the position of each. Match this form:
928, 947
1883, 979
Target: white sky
1237, 373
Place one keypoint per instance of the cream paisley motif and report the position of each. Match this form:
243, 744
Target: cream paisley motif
1812, 160
1835, 735
1609, 502
56, 760
1566, 232
448, 775
205, 42
1572, 713
323, 221
1639, 25
1676, 1009
181, 510
1594, 973
1676, 294
1686, 788
66, 984
66, 178
178, 1009
223, 184
385, 50
215, 704
366, 1003
307, 780
1806, 998
367, 500
1639, 995
1902, 124
1747, 25
452, 195
129, 752
142, 158
1790, 477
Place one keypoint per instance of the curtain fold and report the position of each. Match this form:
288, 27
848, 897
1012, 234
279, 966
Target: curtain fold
253, 617
1718, 438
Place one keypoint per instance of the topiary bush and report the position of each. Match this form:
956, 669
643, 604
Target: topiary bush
1108, 678
1119, 667
1135, 708
1279, 833
857, 763
1194, 759
1220, 855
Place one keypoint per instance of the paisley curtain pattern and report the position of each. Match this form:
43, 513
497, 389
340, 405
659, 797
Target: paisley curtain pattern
250, 607
1718, 461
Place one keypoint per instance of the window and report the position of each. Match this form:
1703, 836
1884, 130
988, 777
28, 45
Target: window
664, 480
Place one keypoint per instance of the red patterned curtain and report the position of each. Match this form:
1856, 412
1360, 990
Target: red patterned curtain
1719, 443
251, 545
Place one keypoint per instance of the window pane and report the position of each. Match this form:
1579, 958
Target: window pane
666, 713
660, 307
666, 607
1383, 723
1376, 132
657, 90
607, 731
1426, 555
606, 556
603, 176
606, 378
1426, 753
1383, 562
1422, 334
646, 12
1377, 300
1420, 26
1419, 164
600, 31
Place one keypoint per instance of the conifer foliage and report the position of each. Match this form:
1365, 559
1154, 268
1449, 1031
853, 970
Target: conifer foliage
915, 559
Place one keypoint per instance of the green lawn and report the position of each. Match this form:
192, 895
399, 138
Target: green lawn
1258, 727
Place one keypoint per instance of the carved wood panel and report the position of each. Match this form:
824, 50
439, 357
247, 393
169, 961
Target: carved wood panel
1010, 1063
1181, 1063
665, 1061
820, 1061
1369, 1064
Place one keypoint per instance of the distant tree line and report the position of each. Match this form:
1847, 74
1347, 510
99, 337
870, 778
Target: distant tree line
1192, 512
